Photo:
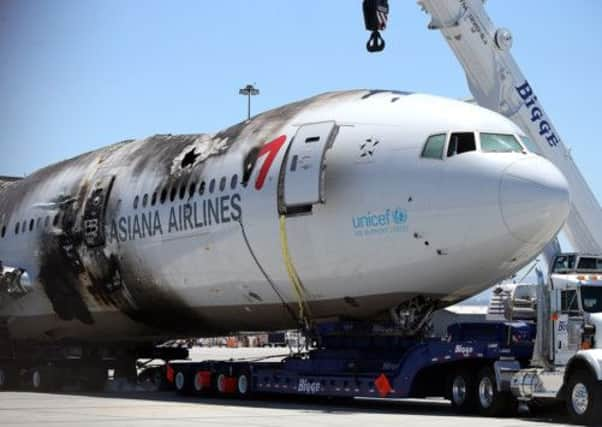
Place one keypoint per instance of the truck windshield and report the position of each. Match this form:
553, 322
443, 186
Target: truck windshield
589, 264
564, 263
591, 296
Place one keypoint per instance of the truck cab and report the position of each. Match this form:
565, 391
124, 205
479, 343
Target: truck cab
575, 305
567, 359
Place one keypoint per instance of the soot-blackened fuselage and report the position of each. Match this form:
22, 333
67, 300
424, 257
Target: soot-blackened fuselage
201, 234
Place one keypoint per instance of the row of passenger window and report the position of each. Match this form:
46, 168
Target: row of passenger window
463, 142
173, 193
162, 197
32, 224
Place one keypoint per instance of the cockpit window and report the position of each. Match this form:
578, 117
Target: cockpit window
433, 149
498, 143
461, 142
530, 145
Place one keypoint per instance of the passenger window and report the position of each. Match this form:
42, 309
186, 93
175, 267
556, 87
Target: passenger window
3, 231
145, 201
192, 190
222, 183
234, 182
497, 143
212, 186
461, 142
569, 302
433, 149
202, 188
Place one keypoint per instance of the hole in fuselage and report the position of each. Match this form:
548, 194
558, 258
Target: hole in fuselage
189, 158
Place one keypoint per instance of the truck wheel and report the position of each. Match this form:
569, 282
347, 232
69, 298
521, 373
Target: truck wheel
584, 398
462, 392
490, 401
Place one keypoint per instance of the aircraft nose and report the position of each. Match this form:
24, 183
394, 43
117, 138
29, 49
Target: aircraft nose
534, 199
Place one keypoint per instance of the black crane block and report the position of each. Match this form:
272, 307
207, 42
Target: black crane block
376, 14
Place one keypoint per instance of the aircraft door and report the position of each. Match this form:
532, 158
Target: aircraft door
94, 212
303, 178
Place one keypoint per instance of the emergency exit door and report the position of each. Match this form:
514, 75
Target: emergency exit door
303, 183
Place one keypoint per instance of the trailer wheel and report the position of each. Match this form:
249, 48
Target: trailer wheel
584, 398
6, 378
221, 383
45, 379
182, 383
490, 401
95, 379
243, 384
462, 392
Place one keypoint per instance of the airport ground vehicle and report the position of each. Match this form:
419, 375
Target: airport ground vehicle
550, 347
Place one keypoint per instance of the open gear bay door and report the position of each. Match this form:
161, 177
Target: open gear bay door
303, 177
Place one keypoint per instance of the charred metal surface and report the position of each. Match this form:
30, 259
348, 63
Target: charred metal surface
79, 267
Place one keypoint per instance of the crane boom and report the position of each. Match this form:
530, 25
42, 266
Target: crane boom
497, 83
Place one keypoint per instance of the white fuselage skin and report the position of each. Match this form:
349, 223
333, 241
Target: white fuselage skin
392, 224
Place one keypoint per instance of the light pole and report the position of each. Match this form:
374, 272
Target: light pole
249, 91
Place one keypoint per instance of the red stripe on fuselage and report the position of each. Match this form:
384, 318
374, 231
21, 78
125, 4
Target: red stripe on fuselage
271, 148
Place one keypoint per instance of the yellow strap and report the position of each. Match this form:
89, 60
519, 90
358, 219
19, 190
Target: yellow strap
292, 274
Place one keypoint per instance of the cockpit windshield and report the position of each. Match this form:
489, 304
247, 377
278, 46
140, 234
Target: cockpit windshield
591, 298
464, 142
530, 145
500, 143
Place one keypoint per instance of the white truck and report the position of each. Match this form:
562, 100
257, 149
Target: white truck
567, 358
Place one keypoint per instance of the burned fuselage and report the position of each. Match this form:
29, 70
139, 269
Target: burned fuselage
197, 234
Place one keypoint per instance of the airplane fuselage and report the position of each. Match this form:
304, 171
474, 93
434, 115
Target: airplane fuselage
206, 234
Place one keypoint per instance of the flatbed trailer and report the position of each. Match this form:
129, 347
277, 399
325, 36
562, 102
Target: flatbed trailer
366, 360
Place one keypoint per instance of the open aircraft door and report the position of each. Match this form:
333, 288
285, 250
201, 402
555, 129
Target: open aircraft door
302, 183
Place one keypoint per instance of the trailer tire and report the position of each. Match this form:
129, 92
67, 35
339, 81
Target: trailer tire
95, 379
243, 384
45, 379
7, 378
584, 398
490, 401
462, 391
182, 382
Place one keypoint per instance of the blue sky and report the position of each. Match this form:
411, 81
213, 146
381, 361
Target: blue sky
79, 74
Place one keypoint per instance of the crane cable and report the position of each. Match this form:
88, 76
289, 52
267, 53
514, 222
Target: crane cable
304, 312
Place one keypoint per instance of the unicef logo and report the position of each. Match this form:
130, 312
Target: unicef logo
383, 222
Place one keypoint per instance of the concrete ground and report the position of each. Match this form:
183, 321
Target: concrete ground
148, 409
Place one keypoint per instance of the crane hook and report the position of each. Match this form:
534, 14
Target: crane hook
376, 14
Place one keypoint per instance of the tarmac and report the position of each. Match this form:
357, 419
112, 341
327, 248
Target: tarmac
149, 409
